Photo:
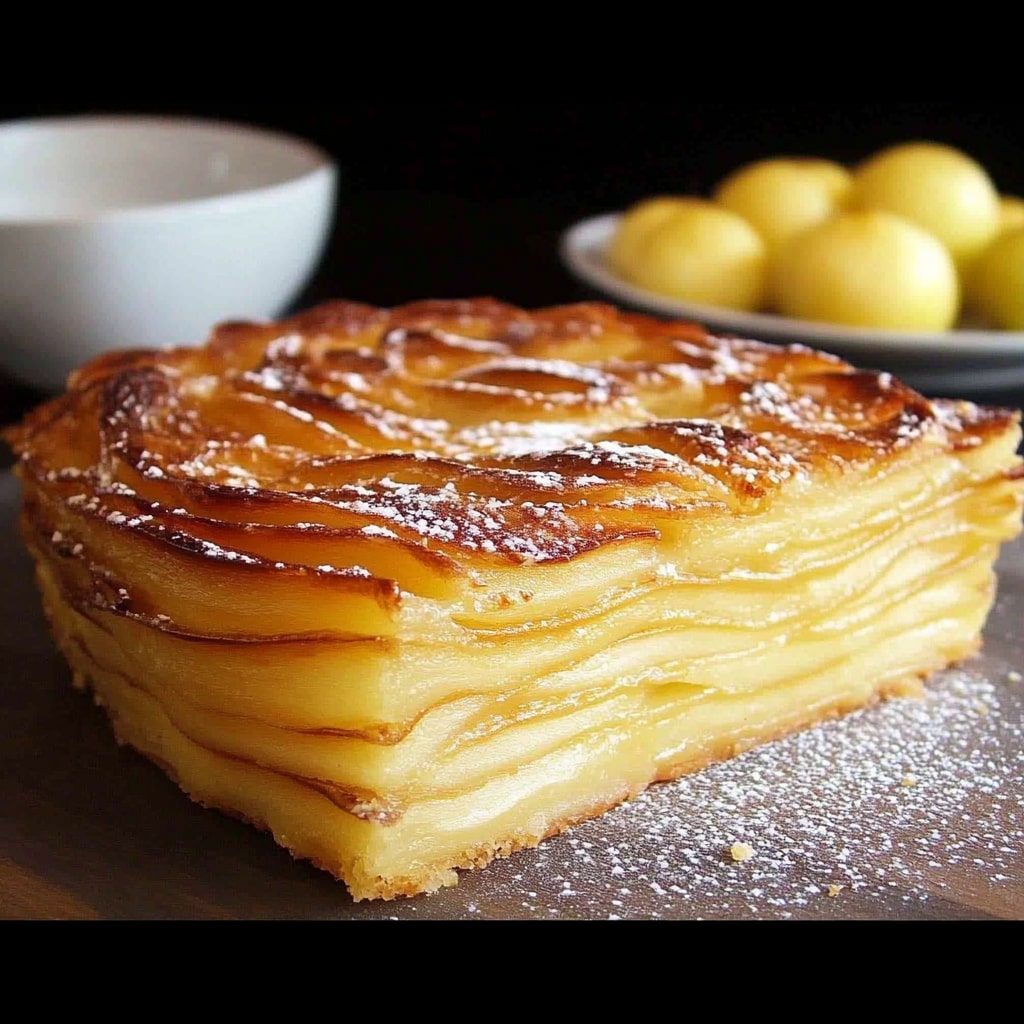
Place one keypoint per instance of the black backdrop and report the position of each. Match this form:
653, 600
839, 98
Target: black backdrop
600, 154
450, 200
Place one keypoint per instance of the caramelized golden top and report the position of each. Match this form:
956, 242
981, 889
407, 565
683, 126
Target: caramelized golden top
459, 433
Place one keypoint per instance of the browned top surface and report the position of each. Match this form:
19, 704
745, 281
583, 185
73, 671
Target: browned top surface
465, 429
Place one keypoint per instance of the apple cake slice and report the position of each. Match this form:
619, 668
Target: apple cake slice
413, 588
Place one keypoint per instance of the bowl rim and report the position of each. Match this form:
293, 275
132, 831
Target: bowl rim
321, 165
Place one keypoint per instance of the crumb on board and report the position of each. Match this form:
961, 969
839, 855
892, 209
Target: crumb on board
835, 889
741, 851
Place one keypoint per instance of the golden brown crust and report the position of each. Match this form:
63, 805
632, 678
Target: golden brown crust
466, 433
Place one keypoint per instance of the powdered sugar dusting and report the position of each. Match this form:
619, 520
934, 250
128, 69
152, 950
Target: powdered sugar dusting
825, 808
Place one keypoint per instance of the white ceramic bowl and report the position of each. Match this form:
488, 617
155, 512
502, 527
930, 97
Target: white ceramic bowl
134, 231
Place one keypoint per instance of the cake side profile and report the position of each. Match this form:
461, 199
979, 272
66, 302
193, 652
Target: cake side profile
413, 588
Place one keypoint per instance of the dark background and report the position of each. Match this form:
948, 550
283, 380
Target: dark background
582, 155
446, 200
453, 199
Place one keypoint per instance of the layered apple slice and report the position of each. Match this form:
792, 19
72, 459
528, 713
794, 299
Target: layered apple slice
414, 588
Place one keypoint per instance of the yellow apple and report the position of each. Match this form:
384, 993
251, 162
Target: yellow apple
867, 268
698, 251
995, 286
1011, 213
782, 195
633, 225
938, 187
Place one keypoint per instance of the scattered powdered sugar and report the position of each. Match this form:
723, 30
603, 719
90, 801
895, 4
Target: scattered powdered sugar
892, 811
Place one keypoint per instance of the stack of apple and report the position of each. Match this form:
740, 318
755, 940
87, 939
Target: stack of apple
917, 237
